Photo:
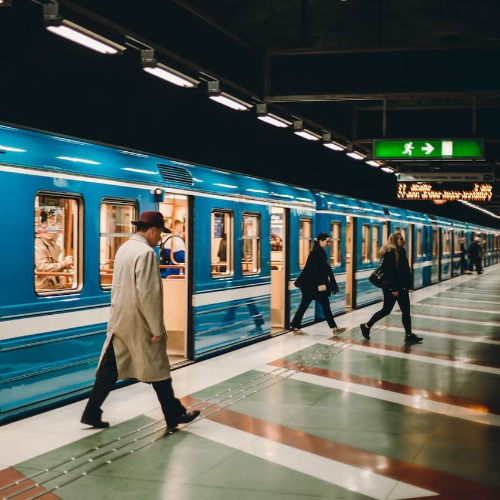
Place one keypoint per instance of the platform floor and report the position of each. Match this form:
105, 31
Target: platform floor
297, 418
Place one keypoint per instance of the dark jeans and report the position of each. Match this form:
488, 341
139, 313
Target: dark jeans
107, 375
476, 262
307, 298
403, 299
463, 264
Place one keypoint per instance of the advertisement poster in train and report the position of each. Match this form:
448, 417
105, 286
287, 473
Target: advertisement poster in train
277, 231
49, 216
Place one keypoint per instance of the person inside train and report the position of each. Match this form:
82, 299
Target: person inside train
475, 255
47, 260
135, 346
397, 270
173, 250
222, 253
317, 282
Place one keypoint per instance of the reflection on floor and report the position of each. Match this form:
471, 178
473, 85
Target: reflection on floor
297, 417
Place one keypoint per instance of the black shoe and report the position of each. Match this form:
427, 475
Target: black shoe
185, 418
413, 338
365, 331
94, 422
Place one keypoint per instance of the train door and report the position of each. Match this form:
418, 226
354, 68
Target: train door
279, 278
174, 270
350, 258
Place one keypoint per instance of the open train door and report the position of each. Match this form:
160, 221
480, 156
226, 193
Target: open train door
279, 268
175, 274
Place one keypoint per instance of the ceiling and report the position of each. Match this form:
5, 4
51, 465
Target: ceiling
361, 69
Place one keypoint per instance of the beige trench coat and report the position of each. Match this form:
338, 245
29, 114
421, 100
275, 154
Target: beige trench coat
137, 314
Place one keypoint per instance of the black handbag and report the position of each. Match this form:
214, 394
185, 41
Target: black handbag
378, 278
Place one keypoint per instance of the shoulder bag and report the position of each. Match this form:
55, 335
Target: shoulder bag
378, 278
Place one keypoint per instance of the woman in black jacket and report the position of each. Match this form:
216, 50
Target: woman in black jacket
397, 270
317, 282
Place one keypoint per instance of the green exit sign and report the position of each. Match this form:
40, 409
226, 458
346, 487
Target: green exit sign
428, 149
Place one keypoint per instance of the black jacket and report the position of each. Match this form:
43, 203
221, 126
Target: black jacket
317, 272
398, 274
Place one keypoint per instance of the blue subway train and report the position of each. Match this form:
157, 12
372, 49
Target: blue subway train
66, 206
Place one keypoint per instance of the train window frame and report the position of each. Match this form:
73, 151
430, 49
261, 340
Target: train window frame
335, 244
220, 269
251, 254
434, 243
375, 243
365, 243
446, 242
419, 246
305, 241
104, 275
76, 248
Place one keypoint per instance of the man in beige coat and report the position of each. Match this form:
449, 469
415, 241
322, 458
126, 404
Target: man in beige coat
135, 346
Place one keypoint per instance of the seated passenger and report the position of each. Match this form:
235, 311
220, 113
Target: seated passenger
47, 253
173, 250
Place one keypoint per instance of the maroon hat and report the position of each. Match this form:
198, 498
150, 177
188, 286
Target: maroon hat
152, 218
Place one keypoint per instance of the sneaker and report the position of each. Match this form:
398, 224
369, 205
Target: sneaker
298, 331
413, 338
338, 330
468, 272
365, 331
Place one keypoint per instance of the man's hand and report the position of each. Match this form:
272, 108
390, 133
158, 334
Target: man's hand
156, 339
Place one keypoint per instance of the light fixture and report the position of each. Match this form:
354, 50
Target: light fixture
152, 66
62, 27
388, 170
352, 153
228, 100
374, 163
5, 3
298, 129
330, 144
272, 119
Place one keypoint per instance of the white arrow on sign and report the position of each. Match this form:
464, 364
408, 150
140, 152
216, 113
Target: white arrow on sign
428, 148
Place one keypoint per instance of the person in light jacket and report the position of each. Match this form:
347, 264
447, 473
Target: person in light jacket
135, 346
317, 282
397, 270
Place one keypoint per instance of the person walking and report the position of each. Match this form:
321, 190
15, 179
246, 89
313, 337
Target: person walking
475, 255
463, 256
317, 282
135, 346
397, 270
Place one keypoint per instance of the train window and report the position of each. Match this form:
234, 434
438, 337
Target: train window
57, 244
435, 243
115, 229
375, 243
419, 243
456, 240
305, 241
403, 233
250, 236
335, 245
221, 253
446, 242
365, 247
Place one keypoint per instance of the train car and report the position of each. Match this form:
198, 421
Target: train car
229, 265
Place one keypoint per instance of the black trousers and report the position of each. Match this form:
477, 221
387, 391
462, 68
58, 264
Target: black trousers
403, 299
106, 378
476, 262
307, 298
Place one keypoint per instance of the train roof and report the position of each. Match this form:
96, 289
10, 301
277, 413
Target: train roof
66, 155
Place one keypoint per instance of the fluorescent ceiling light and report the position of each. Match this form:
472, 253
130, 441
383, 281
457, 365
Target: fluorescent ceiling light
226, 99
356, 155
13, 150
298, 129
330, 144
160, 70
374, 163
272, 119
389, 170
76, 33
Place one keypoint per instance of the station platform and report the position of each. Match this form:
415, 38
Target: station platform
297, 417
